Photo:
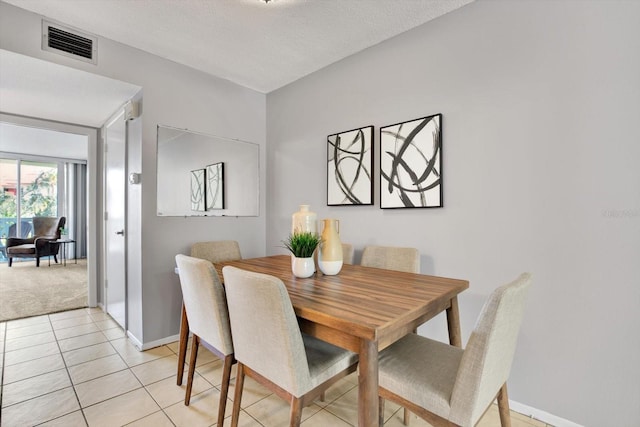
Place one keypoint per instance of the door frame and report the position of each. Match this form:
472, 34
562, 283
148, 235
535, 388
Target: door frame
118, 115
93, 255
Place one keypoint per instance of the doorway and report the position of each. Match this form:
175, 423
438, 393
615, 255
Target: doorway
85, 136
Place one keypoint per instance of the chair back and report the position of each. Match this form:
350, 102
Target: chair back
217, 251
486, 361
25, 229
347, 253
48, 226
265, 331
391, 258
205, 302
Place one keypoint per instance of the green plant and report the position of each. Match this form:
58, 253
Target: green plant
302, 244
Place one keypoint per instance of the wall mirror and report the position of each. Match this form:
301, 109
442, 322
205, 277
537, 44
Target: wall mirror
205, 175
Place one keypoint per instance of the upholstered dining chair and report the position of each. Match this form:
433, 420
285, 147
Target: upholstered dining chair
217, 250
270, 347
392, 258
213, 251
446, 385
347, 253
206, 305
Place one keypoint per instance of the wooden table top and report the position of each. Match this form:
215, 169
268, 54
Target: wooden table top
370, 303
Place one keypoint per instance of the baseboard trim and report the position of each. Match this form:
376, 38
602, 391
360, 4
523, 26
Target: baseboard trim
153, 344
541, 415
135, 341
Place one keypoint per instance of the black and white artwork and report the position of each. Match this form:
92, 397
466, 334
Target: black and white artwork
215, 186
350, 167
411, 164
198, 194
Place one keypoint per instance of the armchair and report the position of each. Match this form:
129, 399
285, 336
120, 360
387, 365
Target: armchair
25, 229
45, 230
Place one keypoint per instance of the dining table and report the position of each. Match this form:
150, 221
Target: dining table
362, 309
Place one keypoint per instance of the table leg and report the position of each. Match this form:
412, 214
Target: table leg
182, 349
368, 384
453, 322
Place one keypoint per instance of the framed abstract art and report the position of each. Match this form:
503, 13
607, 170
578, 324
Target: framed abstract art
411, 164
198, 194
215, 186
350, 167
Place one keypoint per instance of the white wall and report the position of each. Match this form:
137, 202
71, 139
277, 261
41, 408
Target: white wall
540, 104
177, 96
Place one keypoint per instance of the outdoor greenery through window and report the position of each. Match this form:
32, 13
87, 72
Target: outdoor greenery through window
27, 189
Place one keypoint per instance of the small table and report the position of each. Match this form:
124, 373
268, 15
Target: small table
64, 243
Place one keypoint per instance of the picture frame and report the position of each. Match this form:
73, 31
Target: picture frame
198, 193
215, 186
350, 167
411, 164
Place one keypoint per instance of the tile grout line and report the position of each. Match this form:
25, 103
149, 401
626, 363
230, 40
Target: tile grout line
68, 375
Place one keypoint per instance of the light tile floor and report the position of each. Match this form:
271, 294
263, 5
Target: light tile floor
77, 368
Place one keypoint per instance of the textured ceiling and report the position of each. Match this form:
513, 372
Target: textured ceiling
263, 46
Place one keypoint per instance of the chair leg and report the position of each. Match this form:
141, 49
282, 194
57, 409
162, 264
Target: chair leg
503, 406
182, 347
380, 411
296, 412
237, 397
224, 388
192, 368
10, 261
37, 261
407, 417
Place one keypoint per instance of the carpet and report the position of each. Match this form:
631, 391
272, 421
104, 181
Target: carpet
27, 290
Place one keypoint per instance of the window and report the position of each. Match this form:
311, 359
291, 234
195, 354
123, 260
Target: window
27, 189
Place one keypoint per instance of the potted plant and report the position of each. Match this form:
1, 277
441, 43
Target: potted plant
302, 245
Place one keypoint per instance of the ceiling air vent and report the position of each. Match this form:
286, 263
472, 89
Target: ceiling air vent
69, 42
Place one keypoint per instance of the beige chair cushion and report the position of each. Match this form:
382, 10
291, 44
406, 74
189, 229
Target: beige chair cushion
325, 360
391, 258
421, 370
22, 249
205, 302
267, 338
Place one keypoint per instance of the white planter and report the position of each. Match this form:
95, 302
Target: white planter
302, 267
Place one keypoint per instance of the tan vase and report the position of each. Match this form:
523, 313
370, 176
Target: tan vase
330, 255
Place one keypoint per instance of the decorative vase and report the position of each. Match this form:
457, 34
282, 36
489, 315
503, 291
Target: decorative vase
304, 221
302, 267
330, 254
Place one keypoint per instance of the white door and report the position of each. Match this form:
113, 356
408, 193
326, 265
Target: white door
115, 209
